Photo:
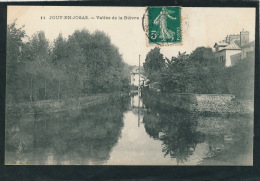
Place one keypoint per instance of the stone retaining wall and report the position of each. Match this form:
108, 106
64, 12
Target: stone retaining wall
215, 103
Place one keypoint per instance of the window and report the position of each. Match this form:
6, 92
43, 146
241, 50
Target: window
222, 59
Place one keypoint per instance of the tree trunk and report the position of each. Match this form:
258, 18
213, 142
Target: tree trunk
31, 95
59, 91
39, 98
45, 90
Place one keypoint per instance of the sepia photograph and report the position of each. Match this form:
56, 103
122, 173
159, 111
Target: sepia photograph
156, 85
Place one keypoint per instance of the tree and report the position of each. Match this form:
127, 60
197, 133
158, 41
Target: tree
198, 69
15, 45
39, 68
59, 51
83, 63
60, 58
173, 79
240, 78
98, 63
194, 73
154, 64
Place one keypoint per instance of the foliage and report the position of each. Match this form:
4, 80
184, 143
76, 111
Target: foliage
200, 73
154, 64
84, 63
13, 55
241, 78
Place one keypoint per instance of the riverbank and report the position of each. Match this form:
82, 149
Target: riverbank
61, 105
201, 103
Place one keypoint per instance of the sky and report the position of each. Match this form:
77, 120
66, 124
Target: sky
200, 26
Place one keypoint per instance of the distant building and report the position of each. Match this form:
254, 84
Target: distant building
135, 76
248, 50
234, 48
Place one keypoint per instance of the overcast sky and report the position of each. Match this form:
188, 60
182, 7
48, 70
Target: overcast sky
200, 26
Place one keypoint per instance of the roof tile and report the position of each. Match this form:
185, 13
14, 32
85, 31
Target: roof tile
234, 45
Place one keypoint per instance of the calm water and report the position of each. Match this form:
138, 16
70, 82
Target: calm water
130, 131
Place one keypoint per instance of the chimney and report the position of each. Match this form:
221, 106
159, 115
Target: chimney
233, 37
244, 38
227, 39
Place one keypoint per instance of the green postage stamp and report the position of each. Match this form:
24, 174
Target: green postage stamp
164, 25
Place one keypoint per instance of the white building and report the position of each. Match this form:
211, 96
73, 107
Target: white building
135, 76
233, 48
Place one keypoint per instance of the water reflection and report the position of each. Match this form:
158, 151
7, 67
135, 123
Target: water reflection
192, 138
70, 137
129, 131
176, 130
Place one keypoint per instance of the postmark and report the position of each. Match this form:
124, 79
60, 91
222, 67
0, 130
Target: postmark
163, 25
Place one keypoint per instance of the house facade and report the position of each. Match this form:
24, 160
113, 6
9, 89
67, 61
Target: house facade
135, 76
233, 48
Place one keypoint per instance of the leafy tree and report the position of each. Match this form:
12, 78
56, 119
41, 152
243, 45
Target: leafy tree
200, 73
59, 51
15, 45
198, 68
174, 76
37, 59
83, 63
240, 78
194, 73
154, 64
98, 63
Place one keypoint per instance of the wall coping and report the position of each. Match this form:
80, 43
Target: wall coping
205, 94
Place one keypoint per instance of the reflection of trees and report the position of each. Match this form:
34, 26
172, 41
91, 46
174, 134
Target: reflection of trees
92, 133
152, 125
80, 137
176, 129
180, 137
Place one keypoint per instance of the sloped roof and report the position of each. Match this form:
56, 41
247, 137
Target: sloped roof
234, 45
135, 70
221, 43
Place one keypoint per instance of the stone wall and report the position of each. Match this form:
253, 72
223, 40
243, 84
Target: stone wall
215, 102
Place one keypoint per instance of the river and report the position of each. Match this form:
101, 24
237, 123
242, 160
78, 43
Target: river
128, 131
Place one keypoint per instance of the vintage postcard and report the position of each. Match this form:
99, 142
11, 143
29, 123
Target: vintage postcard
156, 85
